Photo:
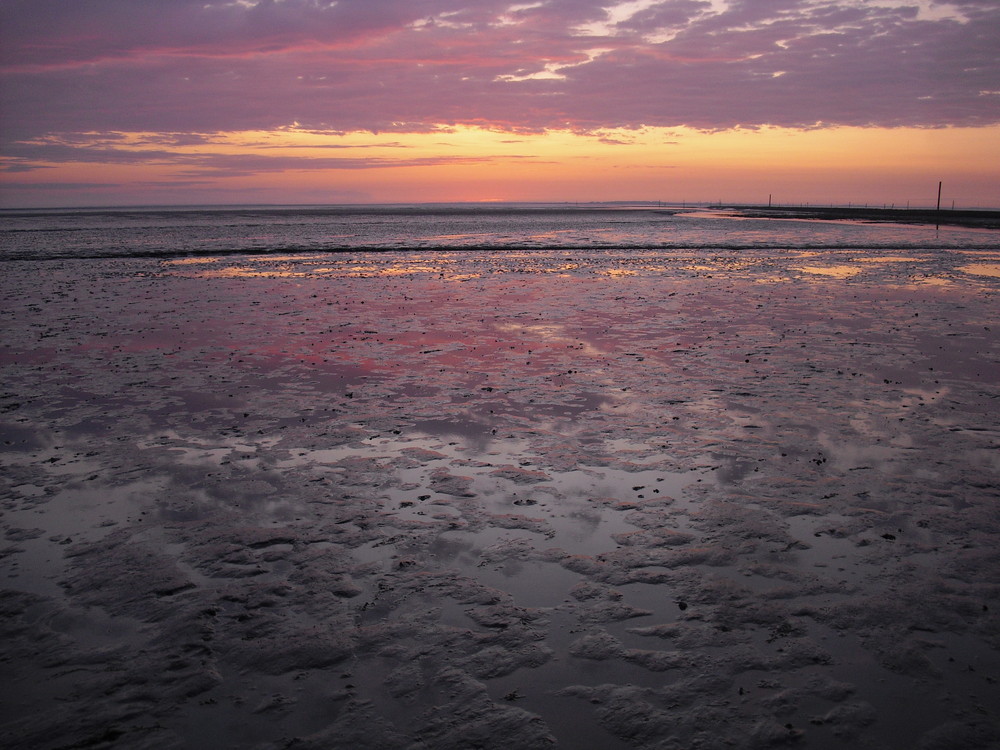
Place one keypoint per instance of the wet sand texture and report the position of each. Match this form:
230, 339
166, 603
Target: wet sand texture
522, 500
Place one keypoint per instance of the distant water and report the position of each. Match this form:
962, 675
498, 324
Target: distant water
171, 232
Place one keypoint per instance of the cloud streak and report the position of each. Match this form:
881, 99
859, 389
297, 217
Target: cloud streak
207, 66
43, 155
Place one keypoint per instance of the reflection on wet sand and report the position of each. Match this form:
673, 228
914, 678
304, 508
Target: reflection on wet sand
838, 272
982, 269
624, 500
925, 267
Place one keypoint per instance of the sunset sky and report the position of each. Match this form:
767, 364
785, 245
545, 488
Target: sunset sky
124, 102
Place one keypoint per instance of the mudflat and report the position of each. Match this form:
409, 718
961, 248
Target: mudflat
502, 500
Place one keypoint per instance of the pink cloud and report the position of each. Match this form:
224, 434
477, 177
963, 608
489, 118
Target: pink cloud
204, 66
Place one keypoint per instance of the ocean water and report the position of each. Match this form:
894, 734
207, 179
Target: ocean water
193, 231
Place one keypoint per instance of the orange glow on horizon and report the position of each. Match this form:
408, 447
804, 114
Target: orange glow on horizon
292, 165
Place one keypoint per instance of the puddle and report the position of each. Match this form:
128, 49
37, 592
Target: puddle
837, 272
70, 516
981, 269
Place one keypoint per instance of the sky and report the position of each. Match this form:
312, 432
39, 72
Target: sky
141, 102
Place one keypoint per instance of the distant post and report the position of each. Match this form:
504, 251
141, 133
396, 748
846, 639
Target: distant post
938, 216
768, 200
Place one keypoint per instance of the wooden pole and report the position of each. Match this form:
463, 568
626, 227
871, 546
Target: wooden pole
938, 224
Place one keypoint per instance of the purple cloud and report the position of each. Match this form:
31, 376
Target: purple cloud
205, 66
27, 157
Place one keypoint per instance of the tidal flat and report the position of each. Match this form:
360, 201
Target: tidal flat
432, 501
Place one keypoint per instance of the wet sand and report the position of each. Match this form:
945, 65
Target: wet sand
521, 500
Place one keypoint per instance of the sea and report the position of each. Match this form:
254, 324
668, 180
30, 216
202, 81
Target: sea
167, 232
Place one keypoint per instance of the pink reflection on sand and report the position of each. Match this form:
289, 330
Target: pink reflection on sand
551, 335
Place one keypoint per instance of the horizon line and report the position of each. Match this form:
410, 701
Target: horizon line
642, 203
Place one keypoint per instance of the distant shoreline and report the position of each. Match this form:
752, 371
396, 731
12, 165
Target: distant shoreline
980, 219
969, 218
